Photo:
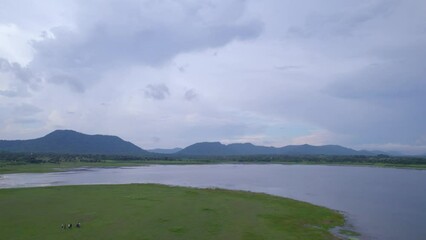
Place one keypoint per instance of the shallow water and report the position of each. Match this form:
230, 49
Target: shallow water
381, 203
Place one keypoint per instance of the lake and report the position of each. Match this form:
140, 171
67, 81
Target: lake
381, 203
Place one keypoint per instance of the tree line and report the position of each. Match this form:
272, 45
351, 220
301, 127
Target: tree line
39, 158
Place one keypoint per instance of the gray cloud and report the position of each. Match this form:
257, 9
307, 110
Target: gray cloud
21, 80
182, 69
398, 74
23, 74
157, 92
9, 93
190, 95
342, 22
26, 110
19, 116
393, 91
131, 32
75, 84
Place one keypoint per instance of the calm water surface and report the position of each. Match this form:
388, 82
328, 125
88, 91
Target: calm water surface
381, 203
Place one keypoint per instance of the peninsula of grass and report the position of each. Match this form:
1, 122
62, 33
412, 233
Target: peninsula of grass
147, 211
7, 168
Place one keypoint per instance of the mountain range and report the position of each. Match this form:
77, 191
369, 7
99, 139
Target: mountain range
219, 149
72, 142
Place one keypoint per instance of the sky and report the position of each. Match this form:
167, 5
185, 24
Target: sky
169, 73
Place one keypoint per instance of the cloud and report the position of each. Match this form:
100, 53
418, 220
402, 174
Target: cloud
343, 22
157, 92
23, 74
190, 95
26, 110
14, 41
390, 93
398, 74
16, 81
134, 33
18, 117
75, 84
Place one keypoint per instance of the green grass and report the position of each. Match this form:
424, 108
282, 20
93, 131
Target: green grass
63, 166
7, 167
146, 211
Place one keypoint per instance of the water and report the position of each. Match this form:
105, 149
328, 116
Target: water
381, 203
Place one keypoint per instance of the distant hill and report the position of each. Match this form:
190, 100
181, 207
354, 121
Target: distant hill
72, 142
205, 148
307, 149
219, 149
164, 150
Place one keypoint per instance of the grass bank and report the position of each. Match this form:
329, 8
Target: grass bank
147, 211
7, 167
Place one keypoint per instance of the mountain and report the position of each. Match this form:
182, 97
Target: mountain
164, 150
72, 142
219, 149
250, 149
205, 148
307, 149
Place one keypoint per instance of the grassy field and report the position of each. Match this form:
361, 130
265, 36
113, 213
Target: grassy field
158, 212
6, 167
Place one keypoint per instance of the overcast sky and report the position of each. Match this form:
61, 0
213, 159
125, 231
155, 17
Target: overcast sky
171, 73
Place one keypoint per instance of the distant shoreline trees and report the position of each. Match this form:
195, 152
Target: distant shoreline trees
40, 158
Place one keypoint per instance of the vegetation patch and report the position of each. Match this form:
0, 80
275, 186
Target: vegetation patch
128, 212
